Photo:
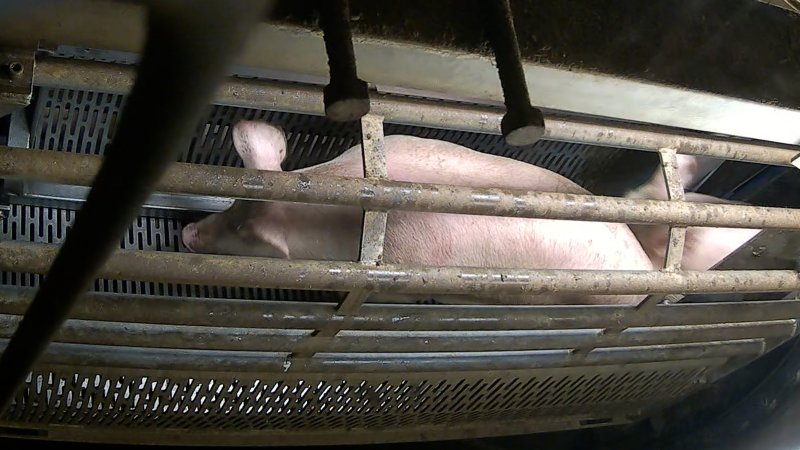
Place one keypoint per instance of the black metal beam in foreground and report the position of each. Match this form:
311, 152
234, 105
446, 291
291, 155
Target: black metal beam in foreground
187, 51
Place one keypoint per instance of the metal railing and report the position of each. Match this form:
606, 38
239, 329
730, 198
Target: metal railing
316, 337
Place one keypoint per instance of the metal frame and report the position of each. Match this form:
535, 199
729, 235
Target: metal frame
16, 79
349, 276
281, 96
279, 340
380, 194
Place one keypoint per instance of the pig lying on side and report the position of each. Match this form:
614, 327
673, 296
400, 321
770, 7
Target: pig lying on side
301, 231
705, 246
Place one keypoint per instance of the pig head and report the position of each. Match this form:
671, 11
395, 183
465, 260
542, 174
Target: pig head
274, 229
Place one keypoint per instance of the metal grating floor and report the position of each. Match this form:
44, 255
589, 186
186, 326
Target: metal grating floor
115, 402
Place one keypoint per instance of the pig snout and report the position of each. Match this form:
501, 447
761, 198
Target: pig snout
191, 237
208, 235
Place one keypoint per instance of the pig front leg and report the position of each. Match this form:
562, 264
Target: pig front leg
246, 228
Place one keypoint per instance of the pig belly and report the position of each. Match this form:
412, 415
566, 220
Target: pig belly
503, 242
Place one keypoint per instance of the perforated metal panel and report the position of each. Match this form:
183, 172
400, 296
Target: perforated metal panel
80, 121
126, 401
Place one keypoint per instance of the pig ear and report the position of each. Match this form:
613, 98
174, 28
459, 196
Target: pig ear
261, 146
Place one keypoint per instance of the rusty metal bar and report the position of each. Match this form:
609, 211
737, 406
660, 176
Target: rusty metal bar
374, 156
282, 96
248, 362
677, 235
348, 276
281, 340
156, 122
378, 317
675, 242
68, 168
373, 232
373, 237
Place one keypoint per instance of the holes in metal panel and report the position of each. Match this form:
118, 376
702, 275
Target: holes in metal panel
236, 403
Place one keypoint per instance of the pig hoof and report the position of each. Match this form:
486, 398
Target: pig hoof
190, 236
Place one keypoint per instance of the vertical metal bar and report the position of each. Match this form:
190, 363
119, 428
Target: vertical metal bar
677, 235
675, 243
374, 154
19, 132
373, 231
186, 46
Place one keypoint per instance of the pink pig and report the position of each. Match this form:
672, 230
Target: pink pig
302, 231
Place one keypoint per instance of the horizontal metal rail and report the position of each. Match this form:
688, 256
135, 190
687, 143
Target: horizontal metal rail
281, 340
211, 312
376, 194
347, 276
221, 361
308, 99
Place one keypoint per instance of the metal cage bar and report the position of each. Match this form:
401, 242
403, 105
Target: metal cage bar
219, 338
380, 194
349, 276
195, 337
210, 312
306, 99
677, 235
373, 233
250, 361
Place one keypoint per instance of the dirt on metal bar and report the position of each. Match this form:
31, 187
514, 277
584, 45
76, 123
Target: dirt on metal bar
376, 194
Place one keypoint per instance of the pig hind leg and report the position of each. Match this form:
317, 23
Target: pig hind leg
656, 187
704, 247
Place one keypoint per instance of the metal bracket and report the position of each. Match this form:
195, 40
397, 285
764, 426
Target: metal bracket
16, 79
